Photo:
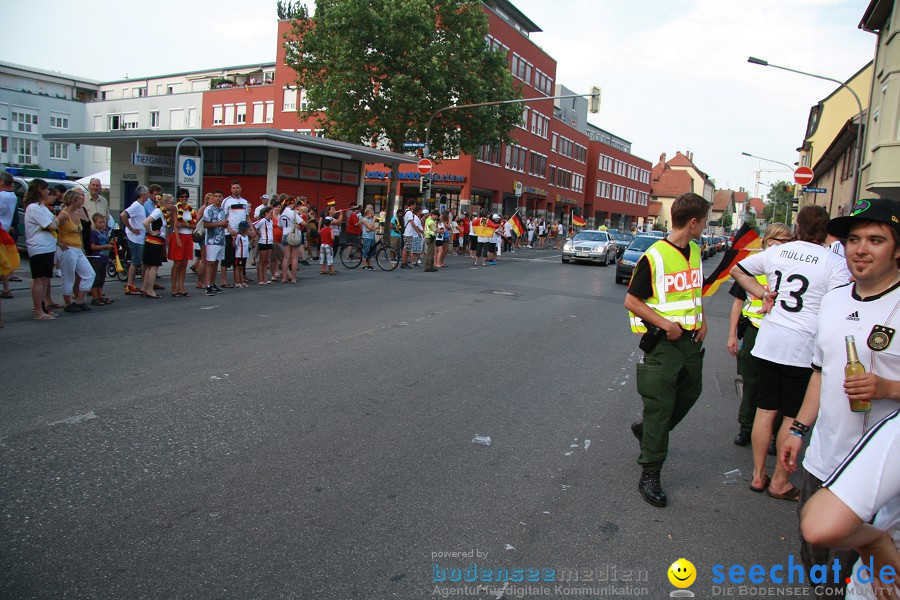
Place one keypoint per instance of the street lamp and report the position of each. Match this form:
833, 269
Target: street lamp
777, 162
859, 150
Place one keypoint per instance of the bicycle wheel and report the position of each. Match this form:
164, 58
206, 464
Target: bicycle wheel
351, 256
387, 259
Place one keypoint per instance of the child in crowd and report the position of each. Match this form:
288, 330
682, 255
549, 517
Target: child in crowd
241, 253
326, 248
264, 234
98, 256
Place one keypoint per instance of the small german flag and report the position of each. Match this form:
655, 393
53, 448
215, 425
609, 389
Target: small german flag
330, 200
516, 223
577, 221
745, 241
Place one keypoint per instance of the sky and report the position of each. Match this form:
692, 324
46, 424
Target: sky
674, 73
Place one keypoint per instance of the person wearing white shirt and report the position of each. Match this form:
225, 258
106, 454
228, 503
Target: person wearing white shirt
39, 227
133, 220
238, 210
867, 309
798, 275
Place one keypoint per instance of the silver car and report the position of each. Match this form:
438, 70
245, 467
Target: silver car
590, 245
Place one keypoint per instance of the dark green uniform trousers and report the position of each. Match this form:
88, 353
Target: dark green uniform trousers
669, 381
747, 370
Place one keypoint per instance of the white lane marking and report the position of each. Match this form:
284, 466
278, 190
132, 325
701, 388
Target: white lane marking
76, 419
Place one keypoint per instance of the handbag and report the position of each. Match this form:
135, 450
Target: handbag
199, 233
293, 239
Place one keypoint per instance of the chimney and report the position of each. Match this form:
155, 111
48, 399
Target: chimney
690, 156
662, 158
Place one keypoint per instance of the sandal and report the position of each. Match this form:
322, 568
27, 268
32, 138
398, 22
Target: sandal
791, 495
152, 296
97, 302
759, 490
227, 286
106, 300
47, 317
185, 295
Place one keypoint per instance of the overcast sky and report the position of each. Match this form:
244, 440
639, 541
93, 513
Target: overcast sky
674, 73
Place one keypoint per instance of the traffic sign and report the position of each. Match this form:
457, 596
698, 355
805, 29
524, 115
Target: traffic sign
189, 171
424, 166
413, 144
807, 190
803, 175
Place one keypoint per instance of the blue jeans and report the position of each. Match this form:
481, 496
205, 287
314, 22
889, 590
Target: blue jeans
368, 245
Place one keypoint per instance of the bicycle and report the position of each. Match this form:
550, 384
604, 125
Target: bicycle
386, 257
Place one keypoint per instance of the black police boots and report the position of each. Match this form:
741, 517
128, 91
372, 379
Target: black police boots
650, 488
742, 438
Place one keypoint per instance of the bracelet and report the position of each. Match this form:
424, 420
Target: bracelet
800, 427
795, 432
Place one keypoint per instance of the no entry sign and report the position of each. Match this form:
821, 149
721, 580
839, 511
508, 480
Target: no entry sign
424, 166
803, 175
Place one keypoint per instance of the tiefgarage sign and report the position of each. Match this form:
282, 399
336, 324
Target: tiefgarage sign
151, 160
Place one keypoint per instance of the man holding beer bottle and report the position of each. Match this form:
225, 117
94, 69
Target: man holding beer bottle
857, 327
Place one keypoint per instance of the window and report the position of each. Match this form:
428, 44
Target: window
25, 152
554, 141
542, 82
580, 154
490, 153
565, 146
229, 114
290, 100
521, 68
258, 114
159, 89
130, 121
552, 177
241, 114
516, 157
270, 110
603, 189
540, 124
59, 151
304, 100
173, 88
495, 44
524, 122
192, 118
154, 119
537, 166
217, 114
24, 122
113, 122
577, 182
140, 92
59, 121
176, 118
606, 163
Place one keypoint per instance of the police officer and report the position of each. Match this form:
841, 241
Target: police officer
664, 303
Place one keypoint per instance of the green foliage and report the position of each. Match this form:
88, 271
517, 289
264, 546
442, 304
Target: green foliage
780, 198
291, 10
751, 221
381, 68
726, 221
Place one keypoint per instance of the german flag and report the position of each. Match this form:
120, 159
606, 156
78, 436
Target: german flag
330, 200
745, 242
577, 221
9, 255
517, 225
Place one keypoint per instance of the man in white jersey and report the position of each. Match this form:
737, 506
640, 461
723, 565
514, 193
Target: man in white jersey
238, 210
799, 274
868, 310
865, 486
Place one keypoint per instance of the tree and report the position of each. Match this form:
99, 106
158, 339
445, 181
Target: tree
751, 221
290, 10
726, 221
379, 69
781, 196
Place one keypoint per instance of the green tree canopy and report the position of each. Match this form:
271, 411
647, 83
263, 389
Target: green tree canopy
381, 68
780, 197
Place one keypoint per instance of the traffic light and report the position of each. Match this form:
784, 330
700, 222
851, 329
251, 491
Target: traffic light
595, 100
424, 185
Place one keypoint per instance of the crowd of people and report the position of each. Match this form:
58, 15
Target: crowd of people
806, 307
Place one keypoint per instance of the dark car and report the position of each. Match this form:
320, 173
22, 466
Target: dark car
633, 253
622, 240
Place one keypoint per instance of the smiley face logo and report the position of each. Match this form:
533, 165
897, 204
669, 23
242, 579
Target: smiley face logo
682, 573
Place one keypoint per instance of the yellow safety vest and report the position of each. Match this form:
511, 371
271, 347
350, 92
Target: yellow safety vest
677, 287
430, 227
752, 308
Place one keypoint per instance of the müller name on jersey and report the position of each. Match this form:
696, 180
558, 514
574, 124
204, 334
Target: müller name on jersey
799, 256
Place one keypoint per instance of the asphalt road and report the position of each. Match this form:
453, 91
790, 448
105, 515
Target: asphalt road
316, 441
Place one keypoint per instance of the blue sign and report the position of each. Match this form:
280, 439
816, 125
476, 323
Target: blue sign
190, 167
808, 190
413, 144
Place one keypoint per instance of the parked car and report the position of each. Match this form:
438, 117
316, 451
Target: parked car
633, 253
20, 185
590, 245
706, 246
622, 240
654, 233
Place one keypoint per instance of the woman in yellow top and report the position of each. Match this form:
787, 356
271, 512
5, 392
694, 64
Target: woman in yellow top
72, 260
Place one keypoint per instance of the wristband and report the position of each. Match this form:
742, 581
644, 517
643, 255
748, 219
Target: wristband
804, 429
795, 432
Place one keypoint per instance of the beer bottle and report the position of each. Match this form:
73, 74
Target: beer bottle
854, 367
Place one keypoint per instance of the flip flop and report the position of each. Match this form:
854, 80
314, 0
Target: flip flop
46, 317
152, 296
792, 495
185, 295
759, 490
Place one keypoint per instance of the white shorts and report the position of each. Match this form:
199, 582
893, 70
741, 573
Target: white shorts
214, 253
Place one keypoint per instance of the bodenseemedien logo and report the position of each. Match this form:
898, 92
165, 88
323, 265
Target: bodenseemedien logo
860, 207
682, 574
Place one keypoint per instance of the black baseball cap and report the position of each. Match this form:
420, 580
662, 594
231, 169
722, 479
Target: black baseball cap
879, 210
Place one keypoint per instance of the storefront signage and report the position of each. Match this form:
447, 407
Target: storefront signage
535, 191
151, 160
129, 177
563, 200
414, 176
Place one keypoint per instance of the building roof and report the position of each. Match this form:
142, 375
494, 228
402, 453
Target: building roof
876, 15
237, 136
722, 200
74, 78
758, 205
213, 70
653, 209
683, 160
671, 183
741, 197
513, 13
